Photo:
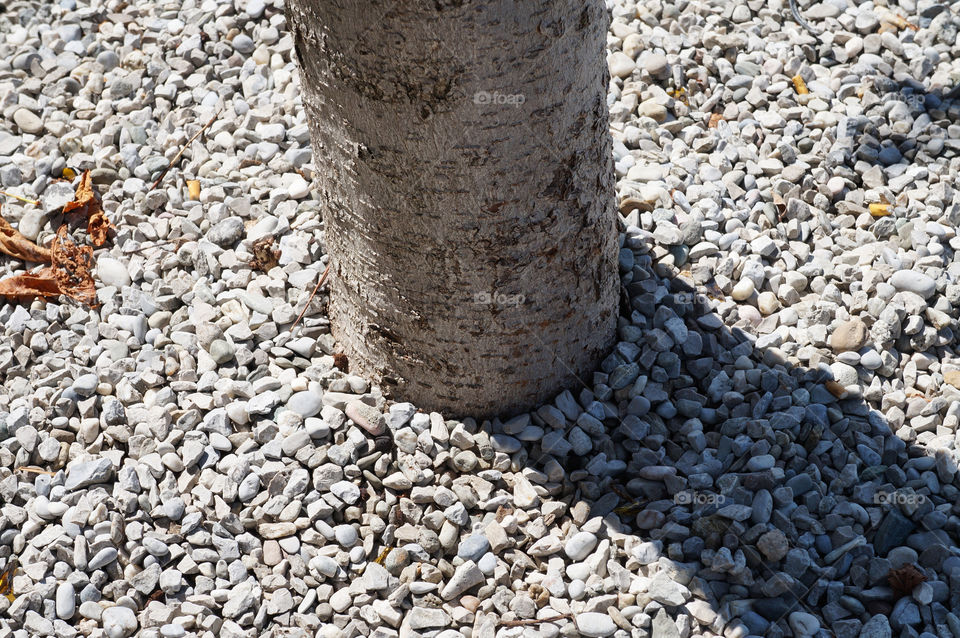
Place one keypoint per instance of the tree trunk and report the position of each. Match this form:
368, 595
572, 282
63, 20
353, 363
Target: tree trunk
464, 163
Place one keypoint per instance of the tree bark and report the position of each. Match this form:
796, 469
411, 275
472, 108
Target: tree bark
464, 165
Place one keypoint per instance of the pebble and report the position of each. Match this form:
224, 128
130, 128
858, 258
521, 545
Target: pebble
595, 624
112, 272
915, 282
579, 546
27, 121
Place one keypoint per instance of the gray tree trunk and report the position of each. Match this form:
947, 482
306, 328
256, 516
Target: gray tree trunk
463, 158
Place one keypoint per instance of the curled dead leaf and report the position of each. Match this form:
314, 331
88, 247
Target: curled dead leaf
265, 257
74, 266
87, 202
714, 120
903, 579
13, 243
70, 275
30, 285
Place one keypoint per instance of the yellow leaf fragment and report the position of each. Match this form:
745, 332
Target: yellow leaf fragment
879, 210
193, 186
800, 85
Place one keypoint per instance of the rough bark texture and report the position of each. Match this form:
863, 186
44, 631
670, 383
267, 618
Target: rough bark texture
463, 159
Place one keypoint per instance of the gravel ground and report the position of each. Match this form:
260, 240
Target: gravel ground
769, 451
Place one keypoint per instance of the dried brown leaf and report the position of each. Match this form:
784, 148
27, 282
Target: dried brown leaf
903, 579
13, 243
265, 257
74, 265
70, 275
87, 202
29, 286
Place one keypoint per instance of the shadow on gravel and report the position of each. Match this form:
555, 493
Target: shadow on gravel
765, 488
904, 139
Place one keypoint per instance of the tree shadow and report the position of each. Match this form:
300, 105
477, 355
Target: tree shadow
708, 450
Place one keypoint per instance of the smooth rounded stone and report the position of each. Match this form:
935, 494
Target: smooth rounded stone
155, 546
850, 335
915, 282
326, 565
346, 535
27, 121
66, 601
473, 547
222, 351
243, 43
620, 64
109, 59
172, 630
871, 360
576, 589
32, 222
504, 443
804, 625
85, 385
341, 600
397, 560
702, 611
112, 273
487, 563
595, 624
742, 290
102, 558
306, 404
762, 507
226, 232
900, 556
768, 303
91, 610
579, 546
761, 462
844, 374
119, 622
649, 519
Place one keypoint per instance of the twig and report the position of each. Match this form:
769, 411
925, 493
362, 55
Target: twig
35, 470
310, 300
534, 621
27, 200
173, 243
795, 10
176, 158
